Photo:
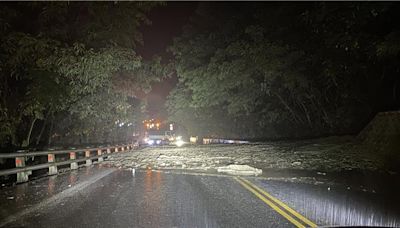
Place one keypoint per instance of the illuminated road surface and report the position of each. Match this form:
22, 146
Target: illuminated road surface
106, 197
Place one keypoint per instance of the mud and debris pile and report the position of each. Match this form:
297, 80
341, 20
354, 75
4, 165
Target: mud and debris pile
328, 154
380, 139
375, 148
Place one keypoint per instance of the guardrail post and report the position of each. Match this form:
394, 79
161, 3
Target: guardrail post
88, 160
100, 159
122, 148
52, 169
72, 156
116, 149
22, 176
108, 150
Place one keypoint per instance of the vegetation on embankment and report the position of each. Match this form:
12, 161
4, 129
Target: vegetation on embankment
69, 71
286, 70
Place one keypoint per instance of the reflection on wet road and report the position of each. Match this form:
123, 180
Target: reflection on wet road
105, 197
334, 206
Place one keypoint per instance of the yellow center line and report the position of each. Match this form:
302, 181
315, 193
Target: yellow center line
271, 204
280, 203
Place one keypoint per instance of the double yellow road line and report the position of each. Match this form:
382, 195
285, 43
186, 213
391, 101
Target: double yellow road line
294, 217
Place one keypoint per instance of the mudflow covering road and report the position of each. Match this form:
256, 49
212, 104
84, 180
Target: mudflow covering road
322, 155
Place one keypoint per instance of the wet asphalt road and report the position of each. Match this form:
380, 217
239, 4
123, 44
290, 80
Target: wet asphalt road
107, 197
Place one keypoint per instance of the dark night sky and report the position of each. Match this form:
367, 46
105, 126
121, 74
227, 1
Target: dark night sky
167, 23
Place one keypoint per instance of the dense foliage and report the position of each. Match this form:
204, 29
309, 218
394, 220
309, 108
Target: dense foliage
61, 67
266, 70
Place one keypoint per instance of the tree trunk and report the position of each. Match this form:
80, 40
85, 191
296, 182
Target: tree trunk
41, 132
43, 127
296, 118
13, 138
51, 129
307, 114
28, 138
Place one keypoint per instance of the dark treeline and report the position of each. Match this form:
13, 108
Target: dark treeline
69, 71
273, 70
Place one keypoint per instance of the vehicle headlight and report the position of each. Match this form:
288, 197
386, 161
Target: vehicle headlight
150, 142
179, 142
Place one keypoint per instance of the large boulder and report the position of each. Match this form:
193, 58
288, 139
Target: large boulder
245, 170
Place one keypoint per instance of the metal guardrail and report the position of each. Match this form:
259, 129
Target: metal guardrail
24, 171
